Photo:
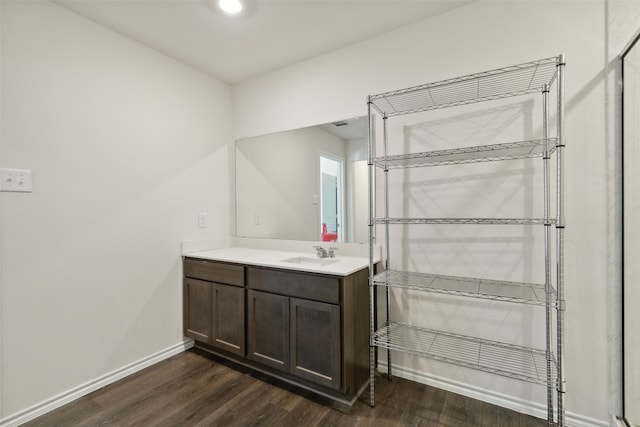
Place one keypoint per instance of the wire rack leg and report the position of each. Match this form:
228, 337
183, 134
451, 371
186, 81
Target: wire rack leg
385, 142
560, 306
372, 299
547, 253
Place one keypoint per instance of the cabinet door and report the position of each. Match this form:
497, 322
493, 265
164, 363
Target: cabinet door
197, 309
227, 316
315, 342
268, 329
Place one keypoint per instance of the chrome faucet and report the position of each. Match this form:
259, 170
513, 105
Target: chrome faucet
322, 252
332, 252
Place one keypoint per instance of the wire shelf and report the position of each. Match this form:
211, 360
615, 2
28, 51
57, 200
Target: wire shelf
485, 221
522, 363
485, 153
505, 82
524, 293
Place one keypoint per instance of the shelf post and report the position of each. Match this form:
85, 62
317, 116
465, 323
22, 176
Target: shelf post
372, 305
560, 224
547, 251
386, 226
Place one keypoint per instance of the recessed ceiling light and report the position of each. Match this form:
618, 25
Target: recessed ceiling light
230, 6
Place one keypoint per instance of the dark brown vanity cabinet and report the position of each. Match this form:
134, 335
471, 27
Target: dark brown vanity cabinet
214, 304
305, 328
295, 323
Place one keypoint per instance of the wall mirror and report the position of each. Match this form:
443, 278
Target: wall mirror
304, 184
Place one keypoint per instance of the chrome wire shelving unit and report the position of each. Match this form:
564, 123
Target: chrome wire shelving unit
537, 366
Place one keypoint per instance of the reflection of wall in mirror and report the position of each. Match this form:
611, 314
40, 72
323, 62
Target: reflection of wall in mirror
357, 191
360, 201
276, 181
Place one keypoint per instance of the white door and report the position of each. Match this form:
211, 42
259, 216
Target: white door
330, 202
331, 198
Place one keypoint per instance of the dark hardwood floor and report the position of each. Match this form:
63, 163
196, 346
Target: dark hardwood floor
196, 389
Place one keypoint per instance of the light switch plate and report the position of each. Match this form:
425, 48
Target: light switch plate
202, 220
18, 180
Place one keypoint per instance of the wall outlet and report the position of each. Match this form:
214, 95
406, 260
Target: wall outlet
202, 220
16, 180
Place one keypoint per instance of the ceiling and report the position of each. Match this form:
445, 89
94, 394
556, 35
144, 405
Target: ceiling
267, 35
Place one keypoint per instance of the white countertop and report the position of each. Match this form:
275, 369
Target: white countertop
343, 265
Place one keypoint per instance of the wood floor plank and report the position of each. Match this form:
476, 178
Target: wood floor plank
237, 409
269, 415
149, 379
152, 396
385, 415
306, 413
336, 419
191, 404
455, 411
68, 415
196, 389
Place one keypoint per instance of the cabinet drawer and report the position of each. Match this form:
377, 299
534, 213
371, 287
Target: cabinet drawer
317, 288
213, 271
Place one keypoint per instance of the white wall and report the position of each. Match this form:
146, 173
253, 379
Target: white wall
126, 146
483, 35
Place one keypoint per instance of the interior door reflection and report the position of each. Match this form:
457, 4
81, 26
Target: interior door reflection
331, 199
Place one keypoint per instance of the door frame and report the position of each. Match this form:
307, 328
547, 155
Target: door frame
633, 43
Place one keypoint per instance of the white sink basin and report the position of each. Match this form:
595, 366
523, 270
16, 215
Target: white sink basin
310, 260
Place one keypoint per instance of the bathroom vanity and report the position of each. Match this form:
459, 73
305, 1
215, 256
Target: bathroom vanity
302, 319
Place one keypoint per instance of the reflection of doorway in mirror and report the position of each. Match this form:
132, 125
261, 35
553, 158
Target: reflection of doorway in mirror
331, 197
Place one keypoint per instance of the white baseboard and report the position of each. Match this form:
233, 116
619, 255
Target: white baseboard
510, 402
93, 385
617, 422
